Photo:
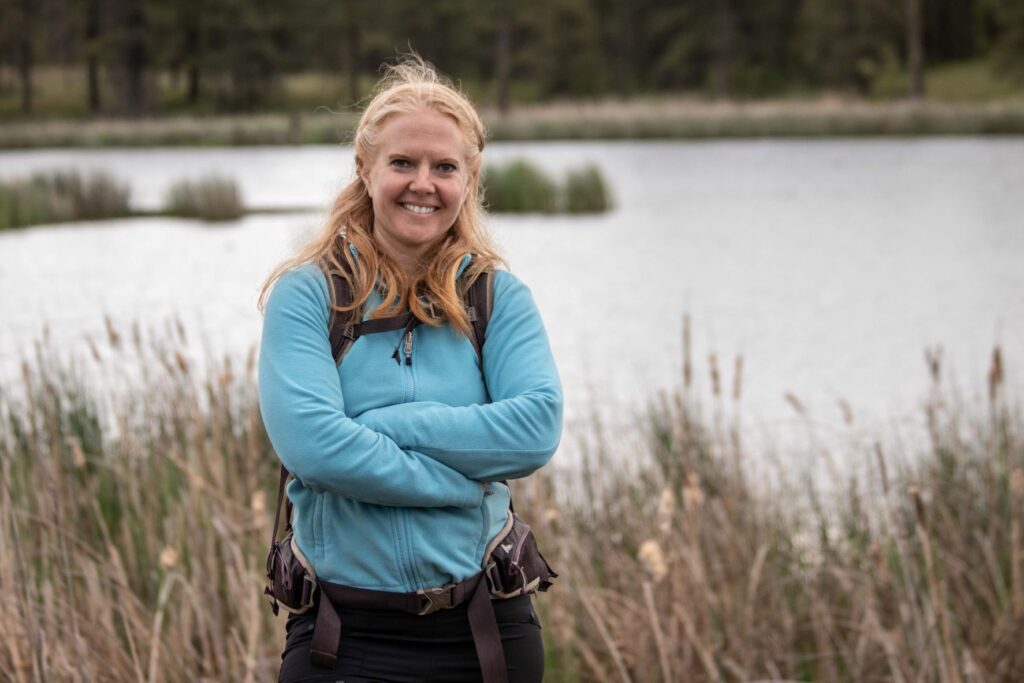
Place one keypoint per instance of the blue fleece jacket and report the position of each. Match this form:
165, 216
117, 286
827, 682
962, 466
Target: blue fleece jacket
396, 464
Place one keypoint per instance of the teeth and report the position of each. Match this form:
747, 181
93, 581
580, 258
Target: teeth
419, 209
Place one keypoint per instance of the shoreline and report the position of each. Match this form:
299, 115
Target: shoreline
671, 119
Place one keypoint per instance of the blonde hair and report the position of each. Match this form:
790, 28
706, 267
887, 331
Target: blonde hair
410, 85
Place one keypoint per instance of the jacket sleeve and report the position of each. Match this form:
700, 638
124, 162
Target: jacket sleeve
304, 413
515, 434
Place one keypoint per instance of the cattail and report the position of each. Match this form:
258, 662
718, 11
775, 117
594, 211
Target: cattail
995, 374
880, 456
716, 386
181, 361
93, 349
933, 357
793, 401
846, 411
77, 456
112, 335
653, 559
258, 502
250, 360
915, 494
666, 509
168, 557
693, 497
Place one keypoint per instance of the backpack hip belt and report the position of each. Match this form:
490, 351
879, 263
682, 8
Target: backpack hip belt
475, 590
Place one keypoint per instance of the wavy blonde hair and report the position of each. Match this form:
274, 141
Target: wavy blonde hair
432, 295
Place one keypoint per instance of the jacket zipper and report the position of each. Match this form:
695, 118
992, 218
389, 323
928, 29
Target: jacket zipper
408, 347
409, 560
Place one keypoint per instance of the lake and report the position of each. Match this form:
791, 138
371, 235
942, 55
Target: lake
830, 266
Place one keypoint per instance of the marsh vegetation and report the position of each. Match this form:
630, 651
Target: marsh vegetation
134, 517
520, 186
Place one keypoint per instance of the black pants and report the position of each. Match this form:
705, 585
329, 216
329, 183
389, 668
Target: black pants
395, 647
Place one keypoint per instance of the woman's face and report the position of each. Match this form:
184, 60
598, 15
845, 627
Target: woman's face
417, 182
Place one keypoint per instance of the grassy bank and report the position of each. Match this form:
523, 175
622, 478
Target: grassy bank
604, 120
133, 529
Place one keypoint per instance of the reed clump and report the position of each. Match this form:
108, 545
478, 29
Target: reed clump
134, 518
61, 196
521, 187
212, 198
586, 191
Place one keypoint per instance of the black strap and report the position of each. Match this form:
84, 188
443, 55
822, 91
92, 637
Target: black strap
323, 651
343, 332
277, 513
486, 636
479, 298
482, 622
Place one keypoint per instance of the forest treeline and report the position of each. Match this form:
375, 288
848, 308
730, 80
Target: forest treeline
149, 56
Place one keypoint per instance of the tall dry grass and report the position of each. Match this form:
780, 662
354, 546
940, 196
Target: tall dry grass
131, 526
652, 118
134, 519
691, 569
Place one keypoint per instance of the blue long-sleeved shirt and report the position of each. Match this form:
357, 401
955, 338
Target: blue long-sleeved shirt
392, 460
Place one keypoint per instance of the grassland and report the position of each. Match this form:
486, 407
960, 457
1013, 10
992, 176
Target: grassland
963, 99
600, 120
134, 518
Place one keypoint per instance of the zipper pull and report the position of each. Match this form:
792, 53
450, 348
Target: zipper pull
408, 347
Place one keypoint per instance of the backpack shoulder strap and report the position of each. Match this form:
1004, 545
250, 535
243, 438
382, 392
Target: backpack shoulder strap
479, 301
341, 326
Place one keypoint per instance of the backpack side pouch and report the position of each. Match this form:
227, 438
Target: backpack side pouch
513, 564
291, 581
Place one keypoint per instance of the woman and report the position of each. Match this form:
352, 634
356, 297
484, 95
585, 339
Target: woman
398, 452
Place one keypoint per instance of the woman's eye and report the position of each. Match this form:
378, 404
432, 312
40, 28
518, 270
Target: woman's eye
447, 168
400, 163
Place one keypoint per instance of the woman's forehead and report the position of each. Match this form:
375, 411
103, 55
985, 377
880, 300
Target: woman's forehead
425, 128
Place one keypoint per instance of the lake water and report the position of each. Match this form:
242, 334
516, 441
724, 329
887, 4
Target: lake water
828, 265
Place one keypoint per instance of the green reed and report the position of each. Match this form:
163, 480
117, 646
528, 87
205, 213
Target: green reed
521, 187
212, 198
61, 196
134, 518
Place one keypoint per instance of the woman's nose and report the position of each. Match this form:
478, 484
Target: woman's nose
421, 181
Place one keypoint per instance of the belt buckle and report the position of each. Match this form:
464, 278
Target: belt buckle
434, 599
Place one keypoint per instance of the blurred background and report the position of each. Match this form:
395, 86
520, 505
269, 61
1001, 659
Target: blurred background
827, 189
777, 245
95, 57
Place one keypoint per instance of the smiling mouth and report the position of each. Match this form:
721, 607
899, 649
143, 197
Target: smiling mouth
420, 210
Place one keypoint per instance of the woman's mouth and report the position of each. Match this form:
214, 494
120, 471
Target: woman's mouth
417, 209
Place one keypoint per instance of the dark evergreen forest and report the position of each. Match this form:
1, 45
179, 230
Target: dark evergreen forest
149, 56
